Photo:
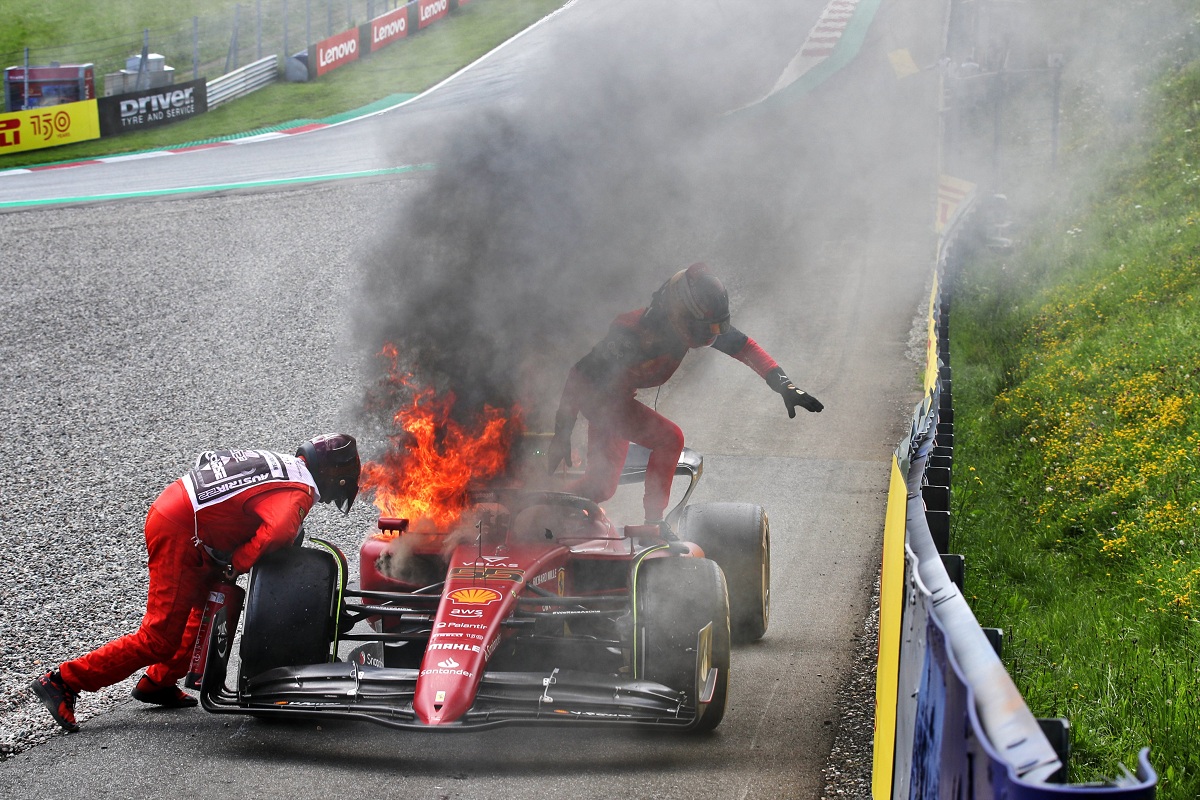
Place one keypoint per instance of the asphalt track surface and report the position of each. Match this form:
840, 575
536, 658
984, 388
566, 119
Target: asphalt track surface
247, 293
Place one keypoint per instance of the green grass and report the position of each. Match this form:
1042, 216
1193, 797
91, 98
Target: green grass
38, 24
1077, 502
406, 67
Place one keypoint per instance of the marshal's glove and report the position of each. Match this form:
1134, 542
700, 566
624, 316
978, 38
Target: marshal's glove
792, 396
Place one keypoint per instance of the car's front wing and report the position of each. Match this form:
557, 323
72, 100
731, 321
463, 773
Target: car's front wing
385, 695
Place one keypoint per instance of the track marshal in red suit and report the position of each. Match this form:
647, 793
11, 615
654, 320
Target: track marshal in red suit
642, 350
231, 508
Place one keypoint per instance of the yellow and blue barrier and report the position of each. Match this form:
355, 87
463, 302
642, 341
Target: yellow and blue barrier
949, 719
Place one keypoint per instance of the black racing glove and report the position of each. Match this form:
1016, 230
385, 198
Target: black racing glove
559, 449
792, 396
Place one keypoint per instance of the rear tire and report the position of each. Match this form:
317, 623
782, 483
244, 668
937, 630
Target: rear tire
683, 629
290, 613
738, 537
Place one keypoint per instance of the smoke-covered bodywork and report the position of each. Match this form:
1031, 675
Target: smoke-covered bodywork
537, 608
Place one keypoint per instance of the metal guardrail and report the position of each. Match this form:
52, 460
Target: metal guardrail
1011, 729
243, 81
961, 726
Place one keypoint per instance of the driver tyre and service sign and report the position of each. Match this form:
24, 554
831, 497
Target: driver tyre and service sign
149, 108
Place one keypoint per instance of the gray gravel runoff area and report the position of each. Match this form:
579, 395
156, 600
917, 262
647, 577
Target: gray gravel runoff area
127, 349
134, 335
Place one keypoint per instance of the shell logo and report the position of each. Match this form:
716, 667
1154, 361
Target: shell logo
475, 596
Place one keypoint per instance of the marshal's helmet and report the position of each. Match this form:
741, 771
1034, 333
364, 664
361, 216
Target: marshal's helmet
697, 305
332, 458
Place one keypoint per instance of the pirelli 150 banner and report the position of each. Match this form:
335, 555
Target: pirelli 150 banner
148, 108
49, 126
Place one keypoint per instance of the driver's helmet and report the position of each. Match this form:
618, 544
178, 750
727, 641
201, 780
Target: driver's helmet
697, 305
332, 458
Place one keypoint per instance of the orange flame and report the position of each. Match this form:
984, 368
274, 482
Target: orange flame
434, 461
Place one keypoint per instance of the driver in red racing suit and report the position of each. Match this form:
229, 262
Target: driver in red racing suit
643, 349
231, 508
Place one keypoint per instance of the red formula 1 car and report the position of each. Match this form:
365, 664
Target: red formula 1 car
537, 609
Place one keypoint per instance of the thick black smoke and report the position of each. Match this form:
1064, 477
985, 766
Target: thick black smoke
560, 205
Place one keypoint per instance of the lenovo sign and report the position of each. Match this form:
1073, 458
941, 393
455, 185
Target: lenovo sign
388, 27
430, 11
334, 52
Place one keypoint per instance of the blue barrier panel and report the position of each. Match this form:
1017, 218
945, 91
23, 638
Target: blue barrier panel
930, 724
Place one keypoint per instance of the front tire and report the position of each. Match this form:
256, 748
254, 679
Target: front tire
738, 537
682, 631
290, 610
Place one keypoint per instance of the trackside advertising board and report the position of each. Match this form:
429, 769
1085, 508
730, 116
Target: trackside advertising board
386, 28
51, 126
430, 11
336, 51
135, 111
350, 45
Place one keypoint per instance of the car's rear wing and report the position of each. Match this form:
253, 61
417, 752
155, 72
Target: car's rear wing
690, 464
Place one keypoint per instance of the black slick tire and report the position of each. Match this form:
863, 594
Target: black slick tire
682, 630
738, 537
290, 615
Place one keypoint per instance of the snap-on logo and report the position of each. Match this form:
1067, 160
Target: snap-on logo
369, 659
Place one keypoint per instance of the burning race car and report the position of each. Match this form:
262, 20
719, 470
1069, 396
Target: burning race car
534, 608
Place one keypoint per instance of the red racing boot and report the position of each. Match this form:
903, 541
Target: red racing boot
59, 698
169, 696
